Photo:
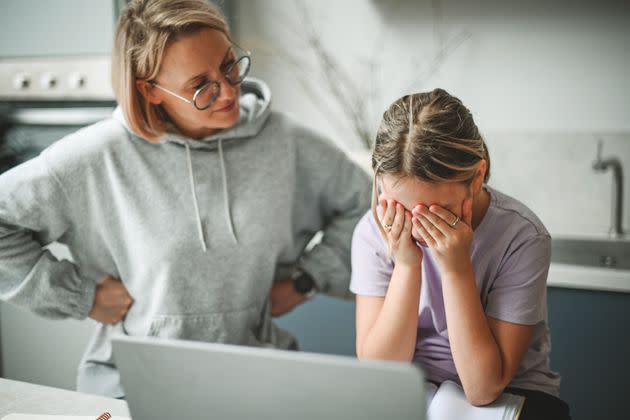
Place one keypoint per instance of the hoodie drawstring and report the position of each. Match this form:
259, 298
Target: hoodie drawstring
191, 178
226, 196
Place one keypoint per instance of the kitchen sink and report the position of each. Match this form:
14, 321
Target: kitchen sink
610, 253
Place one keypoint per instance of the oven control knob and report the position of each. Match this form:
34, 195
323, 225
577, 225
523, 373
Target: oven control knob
21, 81
76, 81
48, 81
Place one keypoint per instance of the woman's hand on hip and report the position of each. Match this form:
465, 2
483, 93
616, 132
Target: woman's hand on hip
448, 235
111, 301
284, 298
397, 223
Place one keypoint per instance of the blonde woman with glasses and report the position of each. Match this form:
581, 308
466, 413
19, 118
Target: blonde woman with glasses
195, 201
451, 273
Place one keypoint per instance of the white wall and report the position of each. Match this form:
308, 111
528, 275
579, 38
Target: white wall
542, 80
551, 173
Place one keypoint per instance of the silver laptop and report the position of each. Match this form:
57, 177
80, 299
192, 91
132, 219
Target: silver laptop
181, 380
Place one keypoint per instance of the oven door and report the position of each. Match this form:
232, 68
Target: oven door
28, 129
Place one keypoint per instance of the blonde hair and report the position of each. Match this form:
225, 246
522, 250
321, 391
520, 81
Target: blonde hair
430, 136
145, 28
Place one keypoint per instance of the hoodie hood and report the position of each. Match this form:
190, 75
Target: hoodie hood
255, 108
255, 104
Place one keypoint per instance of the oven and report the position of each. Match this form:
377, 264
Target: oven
54, 71
27, 129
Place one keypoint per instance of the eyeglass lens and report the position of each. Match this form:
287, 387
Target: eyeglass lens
235, 74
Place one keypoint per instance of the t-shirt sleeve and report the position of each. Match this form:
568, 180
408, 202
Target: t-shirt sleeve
518, 294
371, 266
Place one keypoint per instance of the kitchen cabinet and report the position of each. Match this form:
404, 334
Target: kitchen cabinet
591, 350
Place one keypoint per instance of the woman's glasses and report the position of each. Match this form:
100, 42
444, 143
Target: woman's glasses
234, 73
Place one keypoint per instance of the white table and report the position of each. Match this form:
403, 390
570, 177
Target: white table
22, 397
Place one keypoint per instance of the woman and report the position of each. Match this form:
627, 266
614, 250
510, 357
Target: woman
452, 275
195, 195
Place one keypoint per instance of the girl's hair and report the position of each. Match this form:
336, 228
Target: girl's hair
430, 136
145, 28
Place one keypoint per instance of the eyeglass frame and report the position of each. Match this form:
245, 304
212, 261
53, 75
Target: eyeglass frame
211, 82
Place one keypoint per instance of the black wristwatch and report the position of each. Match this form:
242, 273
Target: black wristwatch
304, 283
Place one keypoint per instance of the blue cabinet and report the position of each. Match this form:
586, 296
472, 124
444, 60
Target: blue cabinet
590, 333
323, 325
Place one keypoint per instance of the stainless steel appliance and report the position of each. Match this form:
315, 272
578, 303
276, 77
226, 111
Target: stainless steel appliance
54, 71
56, 50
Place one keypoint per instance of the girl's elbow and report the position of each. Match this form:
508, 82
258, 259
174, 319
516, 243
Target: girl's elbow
484, 388
481, 399
480, 396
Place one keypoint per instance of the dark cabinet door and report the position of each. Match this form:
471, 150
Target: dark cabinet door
590, 333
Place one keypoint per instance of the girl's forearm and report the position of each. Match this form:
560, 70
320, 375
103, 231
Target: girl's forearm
393, 335
475, 351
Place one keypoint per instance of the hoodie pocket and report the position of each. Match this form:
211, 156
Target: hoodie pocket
241, 326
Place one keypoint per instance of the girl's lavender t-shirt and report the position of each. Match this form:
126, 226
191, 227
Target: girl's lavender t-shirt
511, 252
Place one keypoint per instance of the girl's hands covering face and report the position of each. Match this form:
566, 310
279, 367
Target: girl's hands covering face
448, 235
397, 222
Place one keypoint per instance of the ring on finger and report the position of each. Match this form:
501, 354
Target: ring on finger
455, 222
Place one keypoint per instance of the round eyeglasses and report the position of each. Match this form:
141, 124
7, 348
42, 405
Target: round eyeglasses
207, 94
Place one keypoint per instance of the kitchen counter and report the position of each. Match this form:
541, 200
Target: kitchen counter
591, 278
22, 397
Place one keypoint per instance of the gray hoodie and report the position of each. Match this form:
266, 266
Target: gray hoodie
196, 230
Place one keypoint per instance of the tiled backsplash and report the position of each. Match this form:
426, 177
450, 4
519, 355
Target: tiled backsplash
553, 175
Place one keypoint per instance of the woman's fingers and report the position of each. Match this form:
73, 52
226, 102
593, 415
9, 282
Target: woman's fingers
424, 235
415, 223
436, 225
443, 214
399, 221
380, 209
431, 229
389, 214
467, 211
408, 225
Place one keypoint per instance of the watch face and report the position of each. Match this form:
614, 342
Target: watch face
304, 283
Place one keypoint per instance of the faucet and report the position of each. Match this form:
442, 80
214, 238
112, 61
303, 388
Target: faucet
614, 164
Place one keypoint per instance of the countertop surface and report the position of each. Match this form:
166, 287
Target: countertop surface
22, 397
592, 278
